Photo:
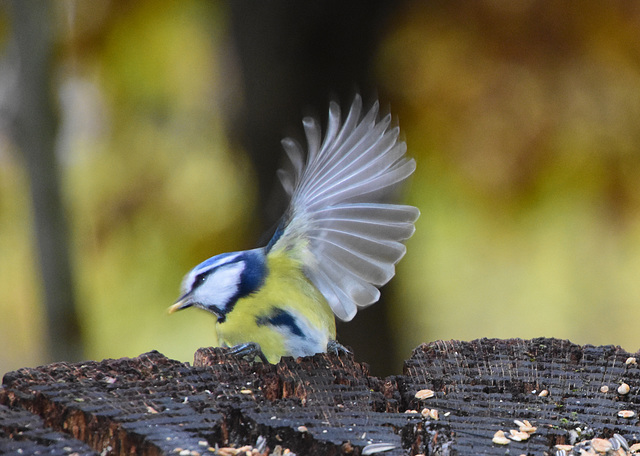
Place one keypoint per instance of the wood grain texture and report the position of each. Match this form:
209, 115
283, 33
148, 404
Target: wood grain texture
323, 405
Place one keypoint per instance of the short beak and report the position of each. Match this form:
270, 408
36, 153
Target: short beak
181, 303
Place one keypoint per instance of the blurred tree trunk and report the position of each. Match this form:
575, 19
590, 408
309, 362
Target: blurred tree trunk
34, 127
296, 56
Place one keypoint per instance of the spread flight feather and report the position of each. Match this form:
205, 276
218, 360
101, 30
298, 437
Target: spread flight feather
351, 237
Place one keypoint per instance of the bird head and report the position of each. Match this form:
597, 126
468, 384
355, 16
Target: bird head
217, 283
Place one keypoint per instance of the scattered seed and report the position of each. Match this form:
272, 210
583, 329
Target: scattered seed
378, 448
631, 360
525, 426
626, 413
499, 438
616, 444
430, 413
634, 448
620, 440
544, 393
261, 444
410, 411
302, 429
151, 409
245, 391
623, 389
425, 394
227, 451
518, 436
604, 389
601, 445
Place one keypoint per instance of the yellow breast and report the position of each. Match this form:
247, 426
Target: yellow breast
287, 316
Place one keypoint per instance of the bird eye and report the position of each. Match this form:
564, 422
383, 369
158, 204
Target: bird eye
199, 280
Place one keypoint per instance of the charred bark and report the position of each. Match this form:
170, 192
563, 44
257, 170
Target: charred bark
325, 405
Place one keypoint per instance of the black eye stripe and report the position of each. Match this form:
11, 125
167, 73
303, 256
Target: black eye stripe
202, 277
199, 280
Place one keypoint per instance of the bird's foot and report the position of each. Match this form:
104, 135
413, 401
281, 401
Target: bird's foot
248, 350
333, 346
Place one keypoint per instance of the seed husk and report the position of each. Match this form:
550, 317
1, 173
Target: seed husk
601, 445
624, 389
518, 436
425, 394
525, 426
499, 438
626, 413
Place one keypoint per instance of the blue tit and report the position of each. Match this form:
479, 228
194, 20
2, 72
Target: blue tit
338, 242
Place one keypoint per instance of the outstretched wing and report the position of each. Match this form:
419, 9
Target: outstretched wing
340, 222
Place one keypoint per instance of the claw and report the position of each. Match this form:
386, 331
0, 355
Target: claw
333, 346
248, 350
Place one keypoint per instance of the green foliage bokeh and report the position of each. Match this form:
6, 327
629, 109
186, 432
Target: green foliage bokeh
523, 118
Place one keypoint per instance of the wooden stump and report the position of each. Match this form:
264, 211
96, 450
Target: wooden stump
325, 405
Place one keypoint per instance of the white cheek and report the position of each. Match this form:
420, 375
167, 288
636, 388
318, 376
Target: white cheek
220, 286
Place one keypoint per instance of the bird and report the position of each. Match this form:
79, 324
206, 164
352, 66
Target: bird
337, 242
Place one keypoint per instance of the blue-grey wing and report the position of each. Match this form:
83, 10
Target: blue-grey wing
340, 222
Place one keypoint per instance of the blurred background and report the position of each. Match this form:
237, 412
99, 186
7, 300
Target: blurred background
139, 138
